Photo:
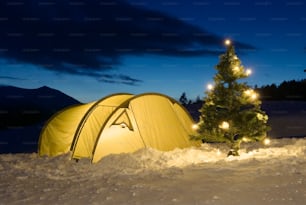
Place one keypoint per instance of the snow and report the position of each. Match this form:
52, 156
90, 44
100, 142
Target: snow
274, 174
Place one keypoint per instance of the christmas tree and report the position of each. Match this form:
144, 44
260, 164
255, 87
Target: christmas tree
231, 111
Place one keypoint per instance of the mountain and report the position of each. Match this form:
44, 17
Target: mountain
23, 113
24, 107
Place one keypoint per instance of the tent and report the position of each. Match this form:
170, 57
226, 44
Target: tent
119, 123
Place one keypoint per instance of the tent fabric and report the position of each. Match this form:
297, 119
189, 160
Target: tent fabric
90, 127
57, 135
116, 139
119, 123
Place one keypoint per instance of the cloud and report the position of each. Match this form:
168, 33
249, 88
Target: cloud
122, 79
90, 37
10, 78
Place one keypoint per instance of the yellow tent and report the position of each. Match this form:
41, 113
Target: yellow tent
119, 123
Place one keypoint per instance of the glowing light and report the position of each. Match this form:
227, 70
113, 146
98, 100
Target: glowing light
254, 96
218, 152
236, 69
210, 87
260, 116
224, 125
266, 141
195, 126
248, 72
248, 92
245, 139
227, 42
251, 93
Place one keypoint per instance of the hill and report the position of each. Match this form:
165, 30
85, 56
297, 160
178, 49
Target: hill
24, 107
23, 113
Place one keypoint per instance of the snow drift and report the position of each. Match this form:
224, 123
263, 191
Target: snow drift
204, 175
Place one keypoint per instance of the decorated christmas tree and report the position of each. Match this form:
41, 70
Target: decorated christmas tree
231, 111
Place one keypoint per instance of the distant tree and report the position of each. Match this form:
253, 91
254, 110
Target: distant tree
183, 99
231, 111
198, 99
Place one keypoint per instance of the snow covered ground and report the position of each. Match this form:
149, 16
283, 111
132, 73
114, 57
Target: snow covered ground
261, 175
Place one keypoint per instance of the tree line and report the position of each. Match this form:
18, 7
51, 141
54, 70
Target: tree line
287, 90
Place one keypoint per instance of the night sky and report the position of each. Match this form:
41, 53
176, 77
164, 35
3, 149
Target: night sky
89, 49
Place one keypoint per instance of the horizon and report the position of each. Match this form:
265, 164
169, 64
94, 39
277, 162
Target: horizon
94, 49
190, 100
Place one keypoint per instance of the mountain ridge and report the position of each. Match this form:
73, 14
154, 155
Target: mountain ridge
23, 106
23, 113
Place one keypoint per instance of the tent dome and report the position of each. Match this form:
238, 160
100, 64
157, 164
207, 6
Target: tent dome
119, 123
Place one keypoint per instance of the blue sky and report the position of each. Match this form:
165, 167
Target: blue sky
89, 50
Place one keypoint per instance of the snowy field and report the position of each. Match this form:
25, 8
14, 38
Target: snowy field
261, 175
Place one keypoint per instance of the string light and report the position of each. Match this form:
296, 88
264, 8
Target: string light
236, 69
266, 141
195, 126
254, 96
227, 42
248, 72
248, 92
245, 139
210, 87
224, 125
251, 93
